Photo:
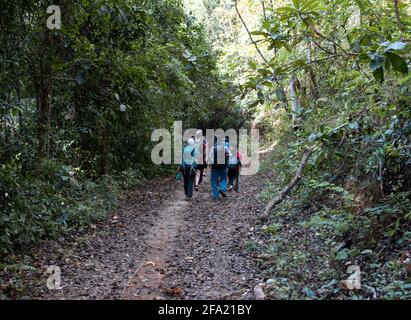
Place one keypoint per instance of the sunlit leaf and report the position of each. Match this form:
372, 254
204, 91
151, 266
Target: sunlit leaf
252, 65
395, 46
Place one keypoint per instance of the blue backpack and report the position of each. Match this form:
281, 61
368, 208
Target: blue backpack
189, 156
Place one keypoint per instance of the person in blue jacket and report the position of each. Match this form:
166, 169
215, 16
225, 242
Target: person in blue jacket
218, 159
188, 168
234, 167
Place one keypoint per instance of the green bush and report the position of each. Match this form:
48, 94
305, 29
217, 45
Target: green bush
59, 201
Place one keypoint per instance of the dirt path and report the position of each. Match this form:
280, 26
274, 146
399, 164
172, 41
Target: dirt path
147, 280
157, 246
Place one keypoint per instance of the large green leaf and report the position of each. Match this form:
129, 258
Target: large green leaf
267, 25
298, 63
252, 65
80, 78
285, 11
259, 33
343, 254
377, 66
397, 62
296, 3
311, 5
264, 72
379, 74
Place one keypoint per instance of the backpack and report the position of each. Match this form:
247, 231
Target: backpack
189, 159
217, 165
204, 145
236, 163
201, 153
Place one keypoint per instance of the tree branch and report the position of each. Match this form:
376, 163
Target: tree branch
317, 61
272, 4
63, 79
264, 11
398, 15
297, 178
321, 35
249, 34
322, 48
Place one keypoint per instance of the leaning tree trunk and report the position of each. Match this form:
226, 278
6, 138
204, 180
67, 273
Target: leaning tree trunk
264, 10
295, 180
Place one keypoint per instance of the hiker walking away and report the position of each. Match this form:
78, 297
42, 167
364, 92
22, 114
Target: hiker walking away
227, 142
218, 158
188, 168
201, 157
234, 167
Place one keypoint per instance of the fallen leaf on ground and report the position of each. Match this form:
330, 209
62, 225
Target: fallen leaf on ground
174, 291
150, 263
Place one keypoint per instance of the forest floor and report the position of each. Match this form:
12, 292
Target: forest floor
156, 246
159, 246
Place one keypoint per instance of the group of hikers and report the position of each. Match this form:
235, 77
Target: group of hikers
223, 158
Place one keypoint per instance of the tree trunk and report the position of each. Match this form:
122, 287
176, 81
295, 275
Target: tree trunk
310, 76
105, 151
295, 105
312, 83
44, 115
297, 178
42, 75
398, 15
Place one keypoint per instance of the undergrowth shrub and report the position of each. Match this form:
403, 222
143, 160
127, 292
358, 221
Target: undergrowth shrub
62, 200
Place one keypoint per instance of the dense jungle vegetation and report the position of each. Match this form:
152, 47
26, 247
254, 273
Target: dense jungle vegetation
78, 105
333, 77
328, 77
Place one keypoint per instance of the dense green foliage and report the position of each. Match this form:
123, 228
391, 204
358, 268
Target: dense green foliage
78, 105
347, 63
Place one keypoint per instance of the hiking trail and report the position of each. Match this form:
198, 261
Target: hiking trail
158, 246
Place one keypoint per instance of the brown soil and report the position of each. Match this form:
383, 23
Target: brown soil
157, 246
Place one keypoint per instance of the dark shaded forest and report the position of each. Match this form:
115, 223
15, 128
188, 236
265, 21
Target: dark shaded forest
79, 105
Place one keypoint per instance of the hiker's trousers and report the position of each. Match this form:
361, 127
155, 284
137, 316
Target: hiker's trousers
189, 174
233, 176
218, 175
